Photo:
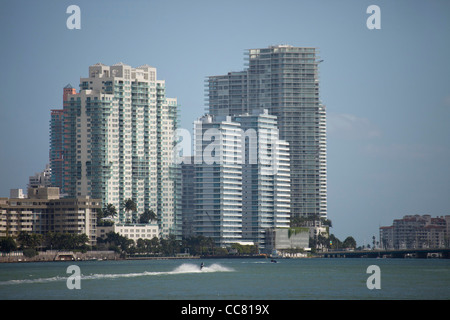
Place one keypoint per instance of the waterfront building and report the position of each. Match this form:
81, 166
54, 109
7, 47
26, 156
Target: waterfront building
131, 231
416, 232
284, 80
241, 178
218, 179
43, 211
118, 141
285, 239
265, 176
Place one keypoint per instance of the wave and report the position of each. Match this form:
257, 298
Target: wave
182, 269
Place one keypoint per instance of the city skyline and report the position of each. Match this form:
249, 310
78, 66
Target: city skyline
386, 91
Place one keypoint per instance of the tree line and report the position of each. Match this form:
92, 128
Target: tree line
31, 243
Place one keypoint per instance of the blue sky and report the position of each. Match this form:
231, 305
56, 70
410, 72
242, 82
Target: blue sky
387, 91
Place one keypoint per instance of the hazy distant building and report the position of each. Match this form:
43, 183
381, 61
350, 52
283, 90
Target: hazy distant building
41, 179
284, 80
56, 153
188, 196
416, 232
118, 140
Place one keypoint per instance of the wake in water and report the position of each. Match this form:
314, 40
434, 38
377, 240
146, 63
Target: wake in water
183, 269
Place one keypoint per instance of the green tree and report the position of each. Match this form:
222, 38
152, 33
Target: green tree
334, 242
147, 216
110, 211
170, 246
130, 205
349, 242
29, 240
119, 243
7, 244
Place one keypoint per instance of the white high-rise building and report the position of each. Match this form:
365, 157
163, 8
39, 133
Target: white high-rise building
284, 80
241, 178
119, 135
218, 179
265, 177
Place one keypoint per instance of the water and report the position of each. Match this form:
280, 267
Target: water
228, 279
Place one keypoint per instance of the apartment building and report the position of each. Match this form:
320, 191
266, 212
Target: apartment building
131, 231
218, 179
43, 211
284, 80
265, 176
416, 232
241, 178
118, 141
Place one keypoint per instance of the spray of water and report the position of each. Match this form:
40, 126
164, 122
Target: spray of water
182, 269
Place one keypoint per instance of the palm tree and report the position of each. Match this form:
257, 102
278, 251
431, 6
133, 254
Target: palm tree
147, 216
129, 205
108, 212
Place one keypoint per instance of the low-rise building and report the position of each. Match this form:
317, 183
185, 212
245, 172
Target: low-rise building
416, 232
43, 211
278, 239
131, 231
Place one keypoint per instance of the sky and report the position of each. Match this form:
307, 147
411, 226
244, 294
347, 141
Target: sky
387, 91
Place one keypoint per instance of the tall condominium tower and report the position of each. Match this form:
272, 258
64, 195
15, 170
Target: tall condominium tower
218, 179
284, 80
118, 138
56, 156
241, 178
265, 177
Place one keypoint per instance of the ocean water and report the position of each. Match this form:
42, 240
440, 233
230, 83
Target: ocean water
228, 279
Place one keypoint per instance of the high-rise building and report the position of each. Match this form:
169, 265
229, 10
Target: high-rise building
56, 154
218, 179
187, 196
118, 141
284, 80
265, 177
241, 178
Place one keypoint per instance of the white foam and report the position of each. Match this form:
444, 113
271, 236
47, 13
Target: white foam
182, 269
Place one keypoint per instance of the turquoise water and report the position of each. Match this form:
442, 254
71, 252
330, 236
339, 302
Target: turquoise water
229, 279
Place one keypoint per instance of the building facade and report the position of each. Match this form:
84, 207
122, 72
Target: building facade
279, 239
118, 141
265, 176
188, 196
43, 211
416, 232
131, 231
284, 80
218, 180
241, 178
41, 179
56, 154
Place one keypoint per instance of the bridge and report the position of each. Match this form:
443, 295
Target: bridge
394, 253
